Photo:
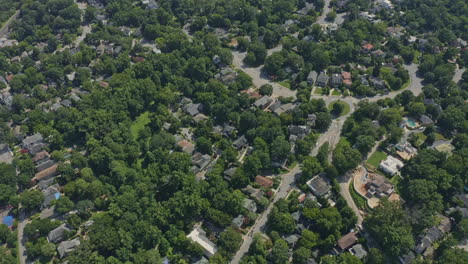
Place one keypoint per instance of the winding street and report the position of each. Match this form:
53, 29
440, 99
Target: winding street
332, 136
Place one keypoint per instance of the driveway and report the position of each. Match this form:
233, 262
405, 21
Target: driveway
286, 185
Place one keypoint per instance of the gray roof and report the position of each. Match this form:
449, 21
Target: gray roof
68, 246
31, 140
358, 251
322, 79
238, 221
292, 239
319, 186
425, 120
45, 165
58, 234
240, 142
192, 109
312, 77
249, 205
44, 184
263, 102
336, 80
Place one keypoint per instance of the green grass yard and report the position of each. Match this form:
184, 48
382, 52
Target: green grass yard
376, 158
336, 92
420, 138
139, 124
318, 90
346, 108
286, 84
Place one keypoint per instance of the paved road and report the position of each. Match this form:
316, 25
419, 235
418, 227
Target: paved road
23, 221
286, 184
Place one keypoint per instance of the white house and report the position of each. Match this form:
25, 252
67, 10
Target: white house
391, 165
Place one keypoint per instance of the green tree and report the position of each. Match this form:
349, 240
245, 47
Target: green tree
301, 255
266, 89
230, 240
279, 252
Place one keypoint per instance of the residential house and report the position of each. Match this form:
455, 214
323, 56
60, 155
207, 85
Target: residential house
435, 233
336, 80
346, 76
6, 156
405, 150
186, 146
358, 251
396, 32
264, 181
425, 120
45, 174
200, 161
285, 108
227, 76
383, 4
254, 193
198, 236
263, 102
306, 9
407, 258
364, 81
319, 186
442, 145
229, 173
50, 194
67, 246
367, 48
292, 240
199, 118
378, 53
44, 184
322, 80
33, 143
192, 109
58, 234
346, 242
311, 118
378, 186
45, 165
238, 221
240, 142
201, 260
299, 131
391, 165
377, 82
249, 205
312, 77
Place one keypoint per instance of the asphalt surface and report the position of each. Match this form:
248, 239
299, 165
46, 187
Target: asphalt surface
332, 136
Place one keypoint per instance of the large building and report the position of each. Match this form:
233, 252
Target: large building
199, 236
391, 165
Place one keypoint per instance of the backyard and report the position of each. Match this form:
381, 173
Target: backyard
376, 158
139, 124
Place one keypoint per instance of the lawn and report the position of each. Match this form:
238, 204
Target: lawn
360, 201
420, 138
336, 92
318, 90
439, 136
139, 124
346, 108
376, 158
286, 84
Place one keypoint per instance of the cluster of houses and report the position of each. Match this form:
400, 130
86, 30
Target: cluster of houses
425, 243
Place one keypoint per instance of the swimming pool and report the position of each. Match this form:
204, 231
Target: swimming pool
411, 123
